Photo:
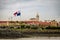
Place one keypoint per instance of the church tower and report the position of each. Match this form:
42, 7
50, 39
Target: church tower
37, 17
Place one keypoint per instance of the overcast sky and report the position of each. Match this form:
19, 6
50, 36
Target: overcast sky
47, 9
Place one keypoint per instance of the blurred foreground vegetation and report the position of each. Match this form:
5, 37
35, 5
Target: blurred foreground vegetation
31, 28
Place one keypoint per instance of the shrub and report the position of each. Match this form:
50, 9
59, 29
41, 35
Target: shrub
11, 27
52, 27
34, 27
18, 27
22, 26
3, 27
28, 26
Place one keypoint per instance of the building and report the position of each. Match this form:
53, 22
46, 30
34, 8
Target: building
44, 24
32, 21
3, 23
53, 23
59, 24
35, 19
8, 23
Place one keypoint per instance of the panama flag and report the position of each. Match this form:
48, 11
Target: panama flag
17, 13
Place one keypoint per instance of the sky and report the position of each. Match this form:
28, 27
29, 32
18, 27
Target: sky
47, 9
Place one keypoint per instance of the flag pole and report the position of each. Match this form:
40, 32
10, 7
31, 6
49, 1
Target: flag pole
20, 17
11, 18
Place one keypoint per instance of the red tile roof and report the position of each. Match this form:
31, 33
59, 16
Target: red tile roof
3, 21
44, 23
28, 22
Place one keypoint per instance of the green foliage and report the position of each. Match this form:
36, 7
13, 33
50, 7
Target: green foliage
42, 28
18, 27
52, 27
28, 26
22, 26
3, 27
11, 27
34, 27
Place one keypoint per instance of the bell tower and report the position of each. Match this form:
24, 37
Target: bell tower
37, 17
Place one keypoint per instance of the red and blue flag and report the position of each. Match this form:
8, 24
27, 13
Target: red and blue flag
17, 13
